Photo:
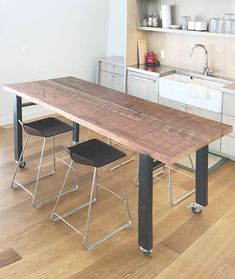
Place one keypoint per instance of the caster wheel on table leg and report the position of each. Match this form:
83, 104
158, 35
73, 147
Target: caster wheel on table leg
196, 208
147, 254
22, 164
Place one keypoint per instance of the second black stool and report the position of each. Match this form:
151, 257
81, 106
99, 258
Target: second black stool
96, 154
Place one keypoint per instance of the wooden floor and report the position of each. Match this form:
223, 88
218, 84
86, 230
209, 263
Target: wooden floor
185, 245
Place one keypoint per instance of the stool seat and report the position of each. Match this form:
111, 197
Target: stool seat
94, 153
47, 127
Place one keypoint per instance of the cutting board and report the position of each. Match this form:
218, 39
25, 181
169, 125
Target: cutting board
141, 51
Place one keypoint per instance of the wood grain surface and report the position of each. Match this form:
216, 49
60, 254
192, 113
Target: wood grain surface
163, 133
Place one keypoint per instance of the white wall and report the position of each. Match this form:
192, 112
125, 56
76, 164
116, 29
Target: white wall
49, 38
117, 27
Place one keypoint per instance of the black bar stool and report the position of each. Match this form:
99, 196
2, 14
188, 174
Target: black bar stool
96, 154
44, 128
110, 142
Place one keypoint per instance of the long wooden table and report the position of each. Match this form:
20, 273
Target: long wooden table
155, 131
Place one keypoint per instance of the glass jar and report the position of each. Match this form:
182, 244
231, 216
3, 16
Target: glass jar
213, 24
220, 26
144, 22
154, 20
233, 27
185, 20
150, 20
229, 16
228, 26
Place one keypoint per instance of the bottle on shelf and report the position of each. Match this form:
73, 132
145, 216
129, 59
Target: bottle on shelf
154, 20
150, 20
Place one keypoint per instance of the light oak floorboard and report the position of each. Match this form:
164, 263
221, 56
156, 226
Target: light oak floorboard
185, 245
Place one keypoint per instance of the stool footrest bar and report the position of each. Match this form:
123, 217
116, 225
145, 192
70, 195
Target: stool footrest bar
102, 239
71, 212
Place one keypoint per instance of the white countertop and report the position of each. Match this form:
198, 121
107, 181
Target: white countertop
117, 60
152, 70
230, 88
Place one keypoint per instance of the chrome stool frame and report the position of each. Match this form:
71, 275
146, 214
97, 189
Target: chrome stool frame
24, 184
93, 195
169, 183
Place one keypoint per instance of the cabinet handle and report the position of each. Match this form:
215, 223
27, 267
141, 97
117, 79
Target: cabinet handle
188, 107
141, 78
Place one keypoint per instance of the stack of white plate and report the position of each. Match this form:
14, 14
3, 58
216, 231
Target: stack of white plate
198, 25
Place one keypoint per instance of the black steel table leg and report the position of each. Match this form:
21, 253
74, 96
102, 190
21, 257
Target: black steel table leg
75, 132
201, 180
17, 127
145, 223
202, 176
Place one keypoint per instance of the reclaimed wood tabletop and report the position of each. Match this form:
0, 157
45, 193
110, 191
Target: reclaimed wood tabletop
163, 133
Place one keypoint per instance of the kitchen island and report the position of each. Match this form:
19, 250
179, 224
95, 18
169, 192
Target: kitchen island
155, 131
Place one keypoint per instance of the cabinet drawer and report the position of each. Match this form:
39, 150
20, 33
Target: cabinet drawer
108, 67
229, 104
230, 120
142, 86
143, 77
171, 104
228, 147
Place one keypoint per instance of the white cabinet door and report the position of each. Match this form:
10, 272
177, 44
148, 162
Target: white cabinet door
228, 142
228, 147
106, 79
230, 120
216, 145
143, 86
229, 104
119, 83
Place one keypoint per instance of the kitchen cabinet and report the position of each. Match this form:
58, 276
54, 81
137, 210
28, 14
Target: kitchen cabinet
216, 145
230, 120
111, 73
146, 85
229, 104
228, 147
228, 117
143, 86
213, 147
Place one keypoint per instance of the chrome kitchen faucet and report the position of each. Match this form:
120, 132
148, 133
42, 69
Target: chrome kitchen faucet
206, 69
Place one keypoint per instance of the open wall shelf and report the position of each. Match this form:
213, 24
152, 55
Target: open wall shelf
185, 32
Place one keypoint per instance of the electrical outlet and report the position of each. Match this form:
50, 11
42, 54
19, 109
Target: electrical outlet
163, 54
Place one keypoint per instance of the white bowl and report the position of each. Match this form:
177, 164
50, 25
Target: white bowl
174, 26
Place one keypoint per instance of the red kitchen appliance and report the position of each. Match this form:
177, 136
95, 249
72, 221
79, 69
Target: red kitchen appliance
150, 58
